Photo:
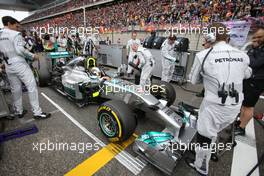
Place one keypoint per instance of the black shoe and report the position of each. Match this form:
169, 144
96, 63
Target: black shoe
13, 116
190, 163
240, 131
43, 115
22, 115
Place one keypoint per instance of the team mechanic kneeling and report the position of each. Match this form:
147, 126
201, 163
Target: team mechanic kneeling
222, 69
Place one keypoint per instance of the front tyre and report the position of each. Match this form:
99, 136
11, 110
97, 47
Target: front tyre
116, 120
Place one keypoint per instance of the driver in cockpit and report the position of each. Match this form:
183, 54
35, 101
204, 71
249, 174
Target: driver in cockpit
96, 73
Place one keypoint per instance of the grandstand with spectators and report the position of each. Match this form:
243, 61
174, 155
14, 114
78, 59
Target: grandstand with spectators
144, 15
115, 15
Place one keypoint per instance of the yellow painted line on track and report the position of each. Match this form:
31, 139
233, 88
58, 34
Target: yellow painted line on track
100, 158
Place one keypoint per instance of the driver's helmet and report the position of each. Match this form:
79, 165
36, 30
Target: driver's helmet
89, 63
95, 71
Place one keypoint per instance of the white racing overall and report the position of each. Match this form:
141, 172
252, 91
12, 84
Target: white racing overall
146, 63
168, 60
17, 69
224, 64
131, 53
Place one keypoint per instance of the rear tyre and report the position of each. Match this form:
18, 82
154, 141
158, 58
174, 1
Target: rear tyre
165, 92
41, 72
116, 120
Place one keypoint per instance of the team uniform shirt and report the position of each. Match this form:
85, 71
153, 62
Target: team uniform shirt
12, 45
144, 57
224, 64
167, 50
131, 53
130, 43
145, 62
168, 61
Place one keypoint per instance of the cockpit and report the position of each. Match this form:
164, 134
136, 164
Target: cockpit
87, 65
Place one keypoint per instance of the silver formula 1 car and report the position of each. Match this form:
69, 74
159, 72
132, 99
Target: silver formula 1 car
83, 82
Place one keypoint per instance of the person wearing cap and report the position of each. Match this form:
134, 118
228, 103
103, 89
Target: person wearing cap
222, 69
169, 59
12, 47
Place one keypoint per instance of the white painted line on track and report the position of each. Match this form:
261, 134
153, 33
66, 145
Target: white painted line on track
129, 161
245, 156
55, 111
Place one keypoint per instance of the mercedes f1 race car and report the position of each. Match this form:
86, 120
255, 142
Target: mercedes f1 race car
82, 81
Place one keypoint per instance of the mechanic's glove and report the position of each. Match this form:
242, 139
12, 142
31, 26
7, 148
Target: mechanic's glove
135, 57
132, 64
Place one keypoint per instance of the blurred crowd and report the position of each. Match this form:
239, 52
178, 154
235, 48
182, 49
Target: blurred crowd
60, 8
66, 20
51, 43
143, 12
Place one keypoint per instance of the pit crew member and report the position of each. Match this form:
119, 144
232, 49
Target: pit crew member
130, 52
144, 61
222, 69
169, 58
17, 69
